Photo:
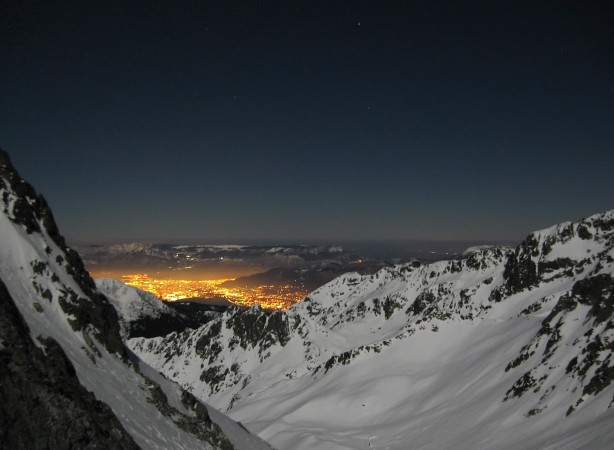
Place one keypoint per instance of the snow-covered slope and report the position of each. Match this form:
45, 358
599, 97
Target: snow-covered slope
132, 304
142, 314
66, 315
506, 348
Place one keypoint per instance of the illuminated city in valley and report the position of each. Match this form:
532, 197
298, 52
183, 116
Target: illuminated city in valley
268, 296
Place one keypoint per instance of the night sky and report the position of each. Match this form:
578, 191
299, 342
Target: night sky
327, 120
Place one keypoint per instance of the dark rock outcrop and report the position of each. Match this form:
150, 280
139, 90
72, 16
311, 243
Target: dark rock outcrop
30, 210
42, 403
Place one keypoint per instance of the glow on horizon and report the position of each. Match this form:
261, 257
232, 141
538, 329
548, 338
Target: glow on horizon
267, 296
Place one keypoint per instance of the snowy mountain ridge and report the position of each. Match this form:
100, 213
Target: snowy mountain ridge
504, 348
66, 379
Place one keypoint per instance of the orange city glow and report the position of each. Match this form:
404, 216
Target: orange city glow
268, 296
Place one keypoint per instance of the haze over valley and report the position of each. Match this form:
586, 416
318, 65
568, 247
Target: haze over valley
274, 276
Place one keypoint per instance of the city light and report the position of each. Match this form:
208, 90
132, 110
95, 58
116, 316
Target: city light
268, 296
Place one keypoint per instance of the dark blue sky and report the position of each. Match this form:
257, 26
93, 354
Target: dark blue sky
292, 120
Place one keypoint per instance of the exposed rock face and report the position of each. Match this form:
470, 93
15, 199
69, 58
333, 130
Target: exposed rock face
24, 206
42, 403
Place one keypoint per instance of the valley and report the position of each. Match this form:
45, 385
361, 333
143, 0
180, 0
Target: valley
268, 296
410, 354
273, 276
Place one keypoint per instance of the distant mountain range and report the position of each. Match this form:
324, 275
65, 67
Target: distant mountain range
302, 266
501, 348
165, 256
